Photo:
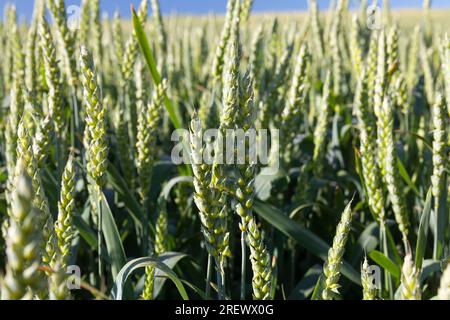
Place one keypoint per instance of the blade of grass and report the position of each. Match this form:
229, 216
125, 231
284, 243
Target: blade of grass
134, 264
423, 231
404, 174
112, 238
386, 263
150, 60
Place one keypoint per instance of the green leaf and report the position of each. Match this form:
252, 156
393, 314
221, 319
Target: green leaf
170, 259
163, 171
173, 112
423, 231
429, 267
150, 60
165, 193
120, 186
368, 241
134, 264
196, 289
85, 231
393, 251
112, 238
318, 288
307, 284
386, 263
404, 174
264, 183
304, 237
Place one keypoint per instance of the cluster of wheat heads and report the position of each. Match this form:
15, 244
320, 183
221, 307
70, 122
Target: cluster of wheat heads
360, 201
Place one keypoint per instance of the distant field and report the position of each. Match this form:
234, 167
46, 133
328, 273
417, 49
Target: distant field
407, 18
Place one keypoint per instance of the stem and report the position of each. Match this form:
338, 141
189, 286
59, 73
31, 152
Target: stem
58, 156
293, 267
208, 278
384, 246
437, 247
221, 284
75, 110
99, 235
145, 227
243, 264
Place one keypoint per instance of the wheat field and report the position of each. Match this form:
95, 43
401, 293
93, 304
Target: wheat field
351, 202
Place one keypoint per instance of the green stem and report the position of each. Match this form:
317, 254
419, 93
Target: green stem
243, 264
208, 278
384, 246
221, 284
99, 236
436, 233
145, 227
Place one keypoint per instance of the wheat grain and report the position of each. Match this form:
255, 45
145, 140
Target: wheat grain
369, 291
219, 60
316, 28
25, 152
63, 226
42, 140
388, 164
146, 140
297, 95
95, 120
52, 76
65, 38
410, 279
23, 279
320, 131
355, 47
368, 148
332, 266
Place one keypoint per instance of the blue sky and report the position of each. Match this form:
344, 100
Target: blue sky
25, 7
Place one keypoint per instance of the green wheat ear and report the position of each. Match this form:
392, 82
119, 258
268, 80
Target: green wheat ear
95, 120
388, 165
23, 244
66, 41
332, 266
52, 76
410, 279
369, 291
64, 228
